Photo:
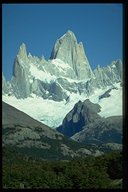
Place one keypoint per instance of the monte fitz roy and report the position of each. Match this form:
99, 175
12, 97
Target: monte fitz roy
65, 94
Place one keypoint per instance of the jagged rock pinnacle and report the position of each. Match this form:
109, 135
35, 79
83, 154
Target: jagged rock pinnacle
22, 51
57, 78
68, 50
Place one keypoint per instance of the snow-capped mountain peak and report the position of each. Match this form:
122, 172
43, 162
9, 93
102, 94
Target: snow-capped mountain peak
61, 81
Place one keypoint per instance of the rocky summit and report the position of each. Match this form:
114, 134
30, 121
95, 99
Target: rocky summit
67, 71
69, 51
54, 91
63, 93
85, 125
82, 114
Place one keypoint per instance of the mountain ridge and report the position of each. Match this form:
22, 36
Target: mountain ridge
62, 92
58, 83
30, 137
47, 78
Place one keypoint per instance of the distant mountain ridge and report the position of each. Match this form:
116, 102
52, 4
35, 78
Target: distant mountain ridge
67, 71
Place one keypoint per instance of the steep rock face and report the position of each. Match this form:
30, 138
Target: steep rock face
68, 50
32, 75
82, 114
114, 71
85, 125
66, 72
19, 81
41, 77
109, 75
4, 85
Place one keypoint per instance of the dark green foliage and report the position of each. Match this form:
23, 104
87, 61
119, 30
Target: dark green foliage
114, 165
103, 172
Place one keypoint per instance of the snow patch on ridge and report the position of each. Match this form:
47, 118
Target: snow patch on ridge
41, 75
59, 63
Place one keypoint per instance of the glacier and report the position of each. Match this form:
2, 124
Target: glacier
48, 89
52, 112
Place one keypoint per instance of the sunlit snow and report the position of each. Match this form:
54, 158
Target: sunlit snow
112, 105
59, 63
52, 113
41, 75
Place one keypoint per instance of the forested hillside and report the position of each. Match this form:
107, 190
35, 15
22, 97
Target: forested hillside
92, 172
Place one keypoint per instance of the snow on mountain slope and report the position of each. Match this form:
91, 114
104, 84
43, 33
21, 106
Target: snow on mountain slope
52, 112
47, 111
60, 63
110, 106
41, 75
67, 71
48, 89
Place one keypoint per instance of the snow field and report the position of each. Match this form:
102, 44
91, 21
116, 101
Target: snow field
52, 113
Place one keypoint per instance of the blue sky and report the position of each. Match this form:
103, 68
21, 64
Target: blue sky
98, 26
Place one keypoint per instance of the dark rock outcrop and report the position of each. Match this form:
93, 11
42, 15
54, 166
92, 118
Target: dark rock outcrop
82, 114
84, 124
